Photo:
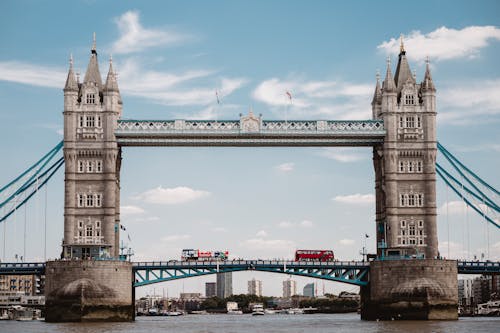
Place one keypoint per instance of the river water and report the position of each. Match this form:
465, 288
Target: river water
311, 323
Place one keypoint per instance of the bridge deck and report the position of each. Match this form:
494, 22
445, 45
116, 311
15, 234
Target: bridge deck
241, 132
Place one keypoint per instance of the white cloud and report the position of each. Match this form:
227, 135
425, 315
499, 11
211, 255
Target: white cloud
36, 75
130, 210
147, 219
458, 207
355, 199
134, 37
285, 224
475, 100
172, 196
444, 43
344, 155
269, 244
261, 233
315, 99
346, 241
220, 229
174, 238
488, 146
170, 88
306, 224
285, 167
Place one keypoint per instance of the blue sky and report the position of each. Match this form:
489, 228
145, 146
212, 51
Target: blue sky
255, 202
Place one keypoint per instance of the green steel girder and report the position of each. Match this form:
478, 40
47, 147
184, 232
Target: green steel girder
351, 273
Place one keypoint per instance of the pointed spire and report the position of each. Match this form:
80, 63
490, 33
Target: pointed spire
93, 44
388, 84
427, 83
377, 95
93, 75
111, 83
71, 83
403, 71
401, 44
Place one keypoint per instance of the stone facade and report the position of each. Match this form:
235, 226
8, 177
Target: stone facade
92, 164
405, 175
411, 289
89, 290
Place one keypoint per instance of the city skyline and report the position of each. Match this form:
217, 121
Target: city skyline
201, 62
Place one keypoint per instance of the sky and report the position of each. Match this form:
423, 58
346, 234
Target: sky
172, 56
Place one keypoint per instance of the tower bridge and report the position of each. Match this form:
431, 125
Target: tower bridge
402, 132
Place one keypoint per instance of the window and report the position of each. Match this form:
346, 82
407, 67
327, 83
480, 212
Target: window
99, 124
419, 122
88, 231
80, 224
81, 167
90, 98
403, 224
402, 200
80, 233
409, 99
90, 200
411, 200
98, 233
411, 230
421, 242
98, 166
401, 166
98, 224
410, 122
420, 200
410, 166
412, 241
401, 122
81, 121
90, 166
420, 224
419, 166
98, 200
90, 121
403, 232
81, 200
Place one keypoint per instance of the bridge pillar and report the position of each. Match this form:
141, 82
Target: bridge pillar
89, 290
411, 289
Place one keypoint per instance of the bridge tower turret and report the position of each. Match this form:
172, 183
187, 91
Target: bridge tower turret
405, 176
92, 163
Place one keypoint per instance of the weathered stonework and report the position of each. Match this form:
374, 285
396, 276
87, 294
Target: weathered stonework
89, 290
405, 175
411, 289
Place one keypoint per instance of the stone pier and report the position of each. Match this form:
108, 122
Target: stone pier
418, 289
89, 290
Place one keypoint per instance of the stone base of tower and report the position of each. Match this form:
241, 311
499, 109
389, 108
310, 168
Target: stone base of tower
411, 289
88, 290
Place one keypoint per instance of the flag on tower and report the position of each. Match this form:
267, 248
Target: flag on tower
289, 96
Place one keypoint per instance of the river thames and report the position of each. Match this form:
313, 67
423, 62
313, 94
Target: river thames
316, 323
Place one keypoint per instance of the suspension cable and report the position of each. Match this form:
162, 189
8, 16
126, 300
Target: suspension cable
447, 154
465, 199
490, 203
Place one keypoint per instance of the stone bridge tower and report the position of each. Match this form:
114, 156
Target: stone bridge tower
92, 163
405, 175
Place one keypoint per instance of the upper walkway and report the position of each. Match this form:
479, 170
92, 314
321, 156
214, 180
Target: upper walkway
351, 272
250, 131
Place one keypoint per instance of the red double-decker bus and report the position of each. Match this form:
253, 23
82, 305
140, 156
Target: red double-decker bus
314, 255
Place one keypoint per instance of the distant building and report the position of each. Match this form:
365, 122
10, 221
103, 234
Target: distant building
309, 290
188, 296
24, 284
465, 292
255, 287
210, 289
224, 285
289, 288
